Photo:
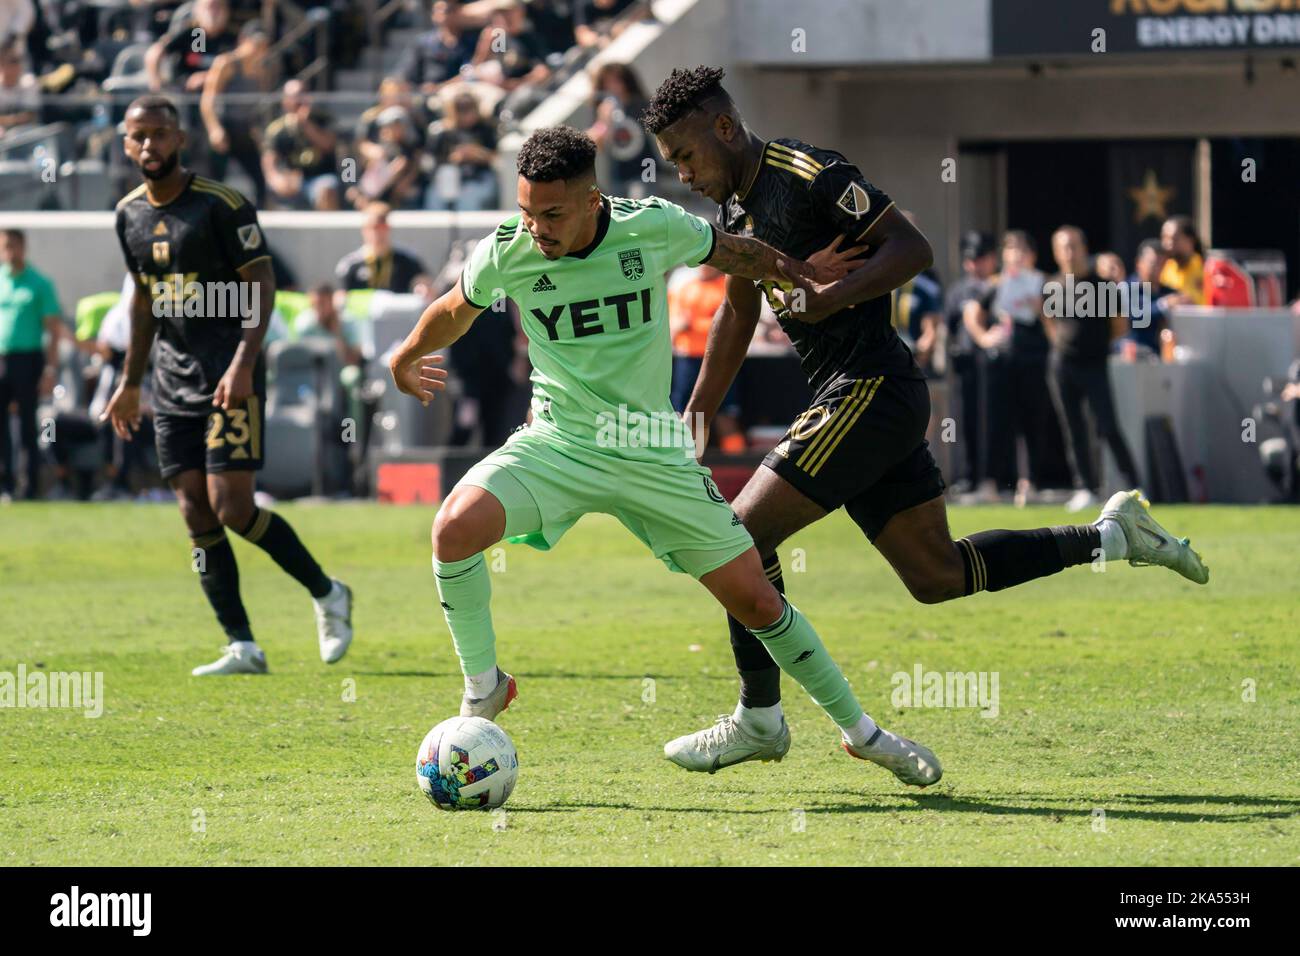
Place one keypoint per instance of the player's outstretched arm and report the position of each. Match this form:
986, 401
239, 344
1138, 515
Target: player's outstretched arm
123, 408
415, 371
899, 251
724, 352
754, 259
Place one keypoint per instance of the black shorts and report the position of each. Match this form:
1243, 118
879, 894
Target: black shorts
224, 440
861, 444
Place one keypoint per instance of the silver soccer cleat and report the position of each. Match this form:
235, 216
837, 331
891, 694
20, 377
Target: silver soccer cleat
238, 657
910, 762
1148, 542
724, 744
488, 707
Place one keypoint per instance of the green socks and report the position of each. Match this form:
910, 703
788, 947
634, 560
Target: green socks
798, 651
466, 591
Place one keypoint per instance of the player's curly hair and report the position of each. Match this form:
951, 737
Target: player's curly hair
557, 152
683, 91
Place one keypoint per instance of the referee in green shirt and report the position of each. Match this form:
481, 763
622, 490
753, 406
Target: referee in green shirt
28, 308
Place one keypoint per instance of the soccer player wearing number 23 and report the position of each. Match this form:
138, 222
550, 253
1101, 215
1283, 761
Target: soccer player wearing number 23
204, 288
587, 272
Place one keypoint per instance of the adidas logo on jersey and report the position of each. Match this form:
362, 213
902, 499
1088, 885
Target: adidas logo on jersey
544, 284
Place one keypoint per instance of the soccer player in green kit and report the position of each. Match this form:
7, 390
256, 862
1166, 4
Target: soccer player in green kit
587, 272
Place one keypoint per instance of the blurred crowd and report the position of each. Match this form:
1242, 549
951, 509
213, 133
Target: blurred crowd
1022, 373
266, 107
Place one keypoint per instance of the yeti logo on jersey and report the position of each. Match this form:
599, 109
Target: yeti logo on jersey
250, 237
855, 201
633, 267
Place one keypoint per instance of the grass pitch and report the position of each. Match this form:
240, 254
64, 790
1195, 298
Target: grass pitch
1141, 719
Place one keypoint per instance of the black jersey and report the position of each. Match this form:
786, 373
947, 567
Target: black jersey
193, 245
798, 201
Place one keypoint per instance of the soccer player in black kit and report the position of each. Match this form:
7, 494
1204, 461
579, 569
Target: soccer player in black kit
861, 443
204, 289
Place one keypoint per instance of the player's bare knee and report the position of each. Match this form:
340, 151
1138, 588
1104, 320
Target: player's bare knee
197, 514
234, 511
940, 582
766, 605
453, 535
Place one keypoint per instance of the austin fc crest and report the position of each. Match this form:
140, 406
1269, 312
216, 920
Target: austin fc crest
633, 267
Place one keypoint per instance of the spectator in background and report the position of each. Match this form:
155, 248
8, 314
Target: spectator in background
692, 304
323, 320
17, 17
594, 20
29, 307
1184, 270
463, 145
1078, 372
20, 96
232, 124
1110, 267
552, 21
436, 57
190, 66
1145, 325
618, 102
916, 312
510, 54
979, 263
298, 158
1017, 305
390, 136
378, 264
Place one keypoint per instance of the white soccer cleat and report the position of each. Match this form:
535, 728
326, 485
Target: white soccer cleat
488, 707
238, 657
334, 622
907, 760
726, 743
1081, 500
1148, 542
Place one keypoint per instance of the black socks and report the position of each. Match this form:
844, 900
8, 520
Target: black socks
760, 677
273, 535
219, 577
995, 560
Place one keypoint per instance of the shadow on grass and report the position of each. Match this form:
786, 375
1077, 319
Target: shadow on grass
558, 675
1117, 807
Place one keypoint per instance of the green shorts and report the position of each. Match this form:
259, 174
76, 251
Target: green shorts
546, 485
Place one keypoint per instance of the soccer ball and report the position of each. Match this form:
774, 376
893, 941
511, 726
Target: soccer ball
467, 763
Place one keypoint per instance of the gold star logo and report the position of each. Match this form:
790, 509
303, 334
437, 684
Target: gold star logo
1151, 198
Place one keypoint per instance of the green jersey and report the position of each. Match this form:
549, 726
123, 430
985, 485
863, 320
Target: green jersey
597, 324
